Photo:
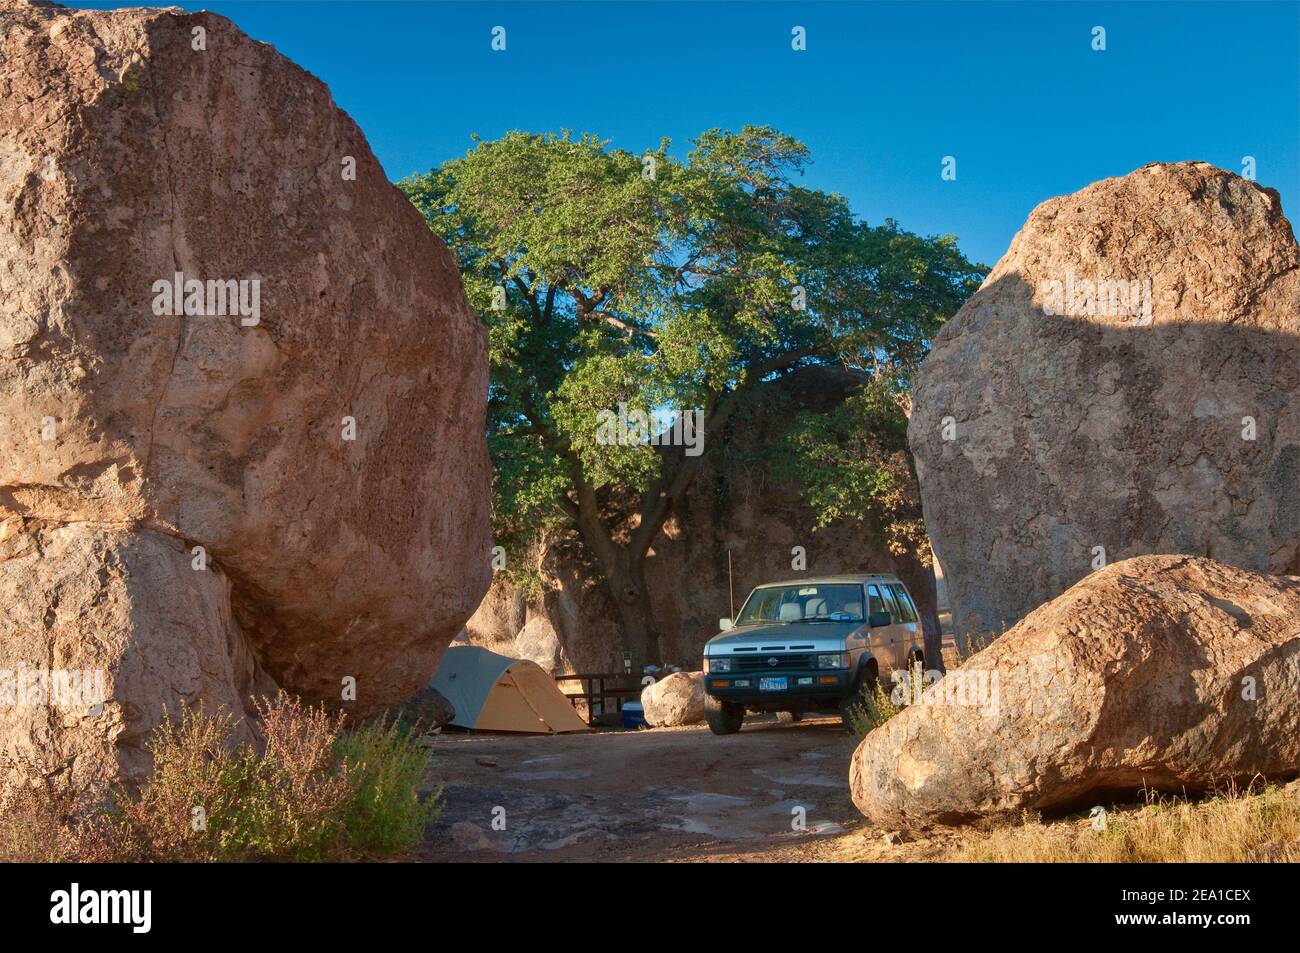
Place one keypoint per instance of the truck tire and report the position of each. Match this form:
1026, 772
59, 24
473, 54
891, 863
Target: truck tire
788, 717
724, 718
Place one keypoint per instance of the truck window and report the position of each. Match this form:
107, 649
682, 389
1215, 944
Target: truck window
905, 603
825, 602
877, 603
890, 605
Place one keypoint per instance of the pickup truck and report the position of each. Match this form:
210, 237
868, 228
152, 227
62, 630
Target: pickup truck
809, 645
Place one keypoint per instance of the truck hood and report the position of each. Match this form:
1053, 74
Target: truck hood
791, 637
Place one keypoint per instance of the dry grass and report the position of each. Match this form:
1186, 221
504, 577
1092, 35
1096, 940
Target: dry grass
209, 802
1259, 825
44, 828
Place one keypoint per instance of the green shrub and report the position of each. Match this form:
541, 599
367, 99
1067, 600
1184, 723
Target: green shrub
385, 813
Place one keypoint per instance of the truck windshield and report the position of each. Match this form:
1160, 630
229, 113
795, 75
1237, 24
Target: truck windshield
841, 602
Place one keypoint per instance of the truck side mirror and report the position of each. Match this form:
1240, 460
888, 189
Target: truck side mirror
877, 619
725, 625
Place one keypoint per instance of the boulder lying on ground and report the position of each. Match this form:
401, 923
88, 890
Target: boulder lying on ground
429, 709
1171, 673
538, 643
220, 325
676, 699
1125, 382
129, 627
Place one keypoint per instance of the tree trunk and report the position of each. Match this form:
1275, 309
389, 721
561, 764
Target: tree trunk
625, 580
932, 628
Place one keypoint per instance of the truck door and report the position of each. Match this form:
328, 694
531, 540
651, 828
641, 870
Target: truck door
884, 639
898, 630
858, 639
914, 639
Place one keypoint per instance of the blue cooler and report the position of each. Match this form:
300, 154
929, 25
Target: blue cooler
634, 715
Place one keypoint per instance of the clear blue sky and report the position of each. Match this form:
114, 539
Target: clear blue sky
883, 92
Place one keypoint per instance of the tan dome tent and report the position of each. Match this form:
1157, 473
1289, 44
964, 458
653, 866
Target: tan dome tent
493, 693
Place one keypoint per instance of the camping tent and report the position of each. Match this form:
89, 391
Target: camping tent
493, 693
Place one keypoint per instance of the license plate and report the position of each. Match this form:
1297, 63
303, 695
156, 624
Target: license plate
773, 684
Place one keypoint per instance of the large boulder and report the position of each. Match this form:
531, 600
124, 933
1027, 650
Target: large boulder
1172, 673
105, 629
499, 617
323, 441
676, 699
1125, 382
538, 642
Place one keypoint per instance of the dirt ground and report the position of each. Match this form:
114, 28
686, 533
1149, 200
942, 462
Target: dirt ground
773, 792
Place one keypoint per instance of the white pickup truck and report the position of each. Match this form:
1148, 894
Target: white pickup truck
809, 645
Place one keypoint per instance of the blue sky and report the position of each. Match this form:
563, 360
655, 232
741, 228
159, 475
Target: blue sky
884, 91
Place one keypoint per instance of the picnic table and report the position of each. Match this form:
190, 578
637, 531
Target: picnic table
603, 693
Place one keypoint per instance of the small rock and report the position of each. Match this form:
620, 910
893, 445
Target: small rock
676, 699
894, 838
469, 836
486, 762
538, 642
429, 708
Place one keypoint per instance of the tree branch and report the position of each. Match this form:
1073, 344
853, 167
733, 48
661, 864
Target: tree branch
663, 494
530, 297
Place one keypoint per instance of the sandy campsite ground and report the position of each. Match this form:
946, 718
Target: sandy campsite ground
671, 794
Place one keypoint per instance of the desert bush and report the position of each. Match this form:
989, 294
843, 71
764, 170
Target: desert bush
211, 800
870, 709
1252, 825
312, 792
384, 812
39, 825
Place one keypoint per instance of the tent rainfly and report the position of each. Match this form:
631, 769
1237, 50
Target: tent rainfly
494, 693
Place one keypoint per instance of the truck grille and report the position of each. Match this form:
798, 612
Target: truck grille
759, 661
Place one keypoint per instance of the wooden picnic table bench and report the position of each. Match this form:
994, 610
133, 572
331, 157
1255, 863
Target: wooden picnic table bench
600, 690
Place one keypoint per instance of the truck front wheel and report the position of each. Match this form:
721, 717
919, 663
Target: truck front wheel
724, 718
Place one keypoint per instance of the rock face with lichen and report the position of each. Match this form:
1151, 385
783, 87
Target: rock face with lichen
1126, 381
242, 395
1169, 673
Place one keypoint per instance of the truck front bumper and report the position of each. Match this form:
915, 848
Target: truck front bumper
780, 690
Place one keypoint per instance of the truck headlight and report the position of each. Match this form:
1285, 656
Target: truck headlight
717, 664
832, 661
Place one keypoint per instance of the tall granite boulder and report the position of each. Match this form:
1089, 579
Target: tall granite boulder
1171, 673
223, 329
1126, 381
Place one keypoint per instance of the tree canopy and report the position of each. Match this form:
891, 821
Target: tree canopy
609, 278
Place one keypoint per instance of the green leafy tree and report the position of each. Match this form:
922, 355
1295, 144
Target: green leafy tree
608, 278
